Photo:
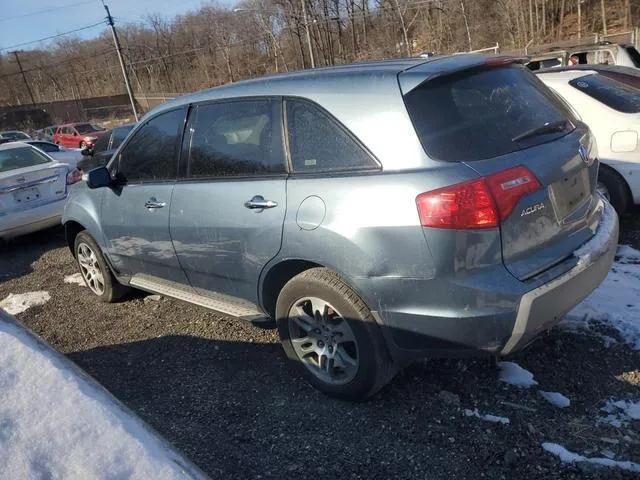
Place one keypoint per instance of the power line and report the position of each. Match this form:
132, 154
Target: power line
54, 9
52, 36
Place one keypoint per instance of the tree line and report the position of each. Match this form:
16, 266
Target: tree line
218, 44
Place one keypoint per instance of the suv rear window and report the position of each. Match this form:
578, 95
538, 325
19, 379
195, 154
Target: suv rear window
479, 114
617, 95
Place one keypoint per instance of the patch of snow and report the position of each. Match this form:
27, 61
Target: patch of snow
487, 417
569, 457
601, 238
621, 412
615, 303
627, 255
20, 302
75, 278
556, 399
55, 422
514, 374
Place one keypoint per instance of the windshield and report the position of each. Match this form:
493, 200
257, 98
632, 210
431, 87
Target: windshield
87, 128
21, 157
617, 95
485, 114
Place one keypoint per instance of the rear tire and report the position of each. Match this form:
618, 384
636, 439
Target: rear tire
331, 337
614, 188
94, 269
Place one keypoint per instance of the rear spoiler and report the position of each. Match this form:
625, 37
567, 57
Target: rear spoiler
413, 77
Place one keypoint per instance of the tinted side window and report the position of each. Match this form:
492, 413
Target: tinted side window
150, 155
319, 144
235, 139
101, 144
119, 134
46, 147
619, 96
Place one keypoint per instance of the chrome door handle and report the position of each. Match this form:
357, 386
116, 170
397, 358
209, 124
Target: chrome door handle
153, 203
258, 202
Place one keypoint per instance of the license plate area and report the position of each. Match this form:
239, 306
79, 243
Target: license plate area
26, 195
570, 193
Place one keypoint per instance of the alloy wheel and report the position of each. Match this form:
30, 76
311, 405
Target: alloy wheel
90, 269
323, 340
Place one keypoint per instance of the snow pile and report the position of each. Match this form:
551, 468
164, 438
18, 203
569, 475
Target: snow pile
569, 457
556, 399
601, 238
621, 412
514, 374
75, 278
21, 302
615, 303
57, 423
487, 417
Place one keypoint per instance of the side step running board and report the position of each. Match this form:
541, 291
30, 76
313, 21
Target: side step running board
213, 301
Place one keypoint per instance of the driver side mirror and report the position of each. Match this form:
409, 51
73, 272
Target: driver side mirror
99, 178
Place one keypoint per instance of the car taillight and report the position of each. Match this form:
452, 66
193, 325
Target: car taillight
482, 203
74, 176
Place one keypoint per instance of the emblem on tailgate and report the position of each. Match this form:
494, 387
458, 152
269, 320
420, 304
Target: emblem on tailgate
532, 209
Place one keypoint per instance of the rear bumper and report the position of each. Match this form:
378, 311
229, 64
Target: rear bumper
31, 220
489, 311
543, 307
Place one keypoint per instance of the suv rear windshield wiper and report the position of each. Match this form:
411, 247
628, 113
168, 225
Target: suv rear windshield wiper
558, 126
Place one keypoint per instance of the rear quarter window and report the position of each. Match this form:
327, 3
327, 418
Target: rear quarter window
616, 95
480, 114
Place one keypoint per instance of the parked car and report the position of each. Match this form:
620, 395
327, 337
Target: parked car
104, 148
378, 213
46, 133
612, 111
12, 136
33, 190
57, 152
626, 75
77, 135
605, 53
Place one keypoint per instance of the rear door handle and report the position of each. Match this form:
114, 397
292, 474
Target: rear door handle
258, 202
153, 203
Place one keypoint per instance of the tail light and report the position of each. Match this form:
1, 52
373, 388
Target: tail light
482, 203
74, 176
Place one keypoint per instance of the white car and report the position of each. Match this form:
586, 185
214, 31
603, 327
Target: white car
33, 190
612, 111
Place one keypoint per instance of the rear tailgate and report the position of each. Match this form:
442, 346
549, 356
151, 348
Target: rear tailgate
546, 226
30, 187
493, 115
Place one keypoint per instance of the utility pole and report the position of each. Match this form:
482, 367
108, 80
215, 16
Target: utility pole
124, 69
306, 24
24, 77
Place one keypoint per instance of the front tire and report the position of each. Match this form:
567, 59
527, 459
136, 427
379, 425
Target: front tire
95, 271
613, 187
330, 336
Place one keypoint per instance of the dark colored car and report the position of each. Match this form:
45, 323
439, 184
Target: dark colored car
104, 148
13, 136
78, 135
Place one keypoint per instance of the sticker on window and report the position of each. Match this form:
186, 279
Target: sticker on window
310, 163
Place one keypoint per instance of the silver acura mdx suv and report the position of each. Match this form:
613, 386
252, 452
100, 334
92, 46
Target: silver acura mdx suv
377, 212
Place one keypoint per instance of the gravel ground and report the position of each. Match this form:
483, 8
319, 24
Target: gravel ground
219, 389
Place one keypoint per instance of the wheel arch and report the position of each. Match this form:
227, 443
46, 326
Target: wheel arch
71, 231
623, 181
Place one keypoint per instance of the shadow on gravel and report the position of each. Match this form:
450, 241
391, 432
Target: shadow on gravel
17, 254
630, 228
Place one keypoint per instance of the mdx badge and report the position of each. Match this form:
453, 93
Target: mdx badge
532, 209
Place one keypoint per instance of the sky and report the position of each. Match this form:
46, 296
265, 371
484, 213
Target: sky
26, 20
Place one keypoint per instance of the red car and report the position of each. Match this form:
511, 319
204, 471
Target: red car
77, 135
